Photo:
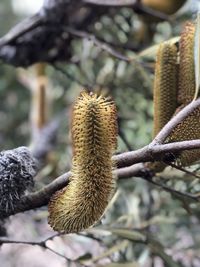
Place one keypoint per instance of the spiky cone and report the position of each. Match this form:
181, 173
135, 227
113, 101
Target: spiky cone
186, 83
165, 86
164, 95
188, 129
94, 139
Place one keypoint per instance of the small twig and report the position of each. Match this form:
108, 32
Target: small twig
173, 191
34, 243
71, 77
183, 170
102, 45
88, 235
124, 139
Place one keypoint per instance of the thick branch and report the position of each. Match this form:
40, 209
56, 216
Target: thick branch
165, 132
41, 198
154, 151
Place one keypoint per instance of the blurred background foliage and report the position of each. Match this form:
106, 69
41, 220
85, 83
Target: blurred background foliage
171, 219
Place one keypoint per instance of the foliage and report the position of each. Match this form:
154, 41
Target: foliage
145, 225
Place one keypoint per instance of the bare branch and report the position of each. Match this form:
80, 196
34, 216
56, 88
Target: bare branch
162, 135
41, 244
185, 195
102, 45
154, 151
27, 43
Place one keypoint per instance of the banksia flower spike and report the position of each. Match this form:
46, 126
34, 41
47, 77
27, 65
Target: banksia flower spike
165, 86
94, 139
186, 84
165, 91
189, 128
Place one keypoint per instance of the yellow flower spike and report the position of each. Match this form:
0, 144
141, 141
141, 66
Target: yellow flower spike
165, 92
165, 86
188, 129
186, 83
94, 139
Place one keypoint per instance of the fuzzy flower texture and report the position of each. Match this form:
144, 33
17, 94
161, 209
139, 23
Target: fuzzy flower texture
94, 140
17, 169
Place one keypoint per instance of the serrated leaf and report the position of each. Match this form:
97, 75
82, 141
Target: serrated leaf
197, 56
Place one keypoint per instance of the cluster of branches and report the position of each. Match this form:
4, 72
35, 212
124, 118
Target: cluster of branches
129, 164
60, 22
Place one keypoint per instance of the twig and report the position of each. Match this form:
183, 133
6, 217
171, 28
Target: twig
173, 191
71, 77
102, 45
34, 243
183, 170
124, 139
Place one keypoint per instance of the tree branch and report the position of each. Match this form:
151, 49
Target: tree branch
42, 244
101, 44
41, 197
180, 116
154, 151
42, 38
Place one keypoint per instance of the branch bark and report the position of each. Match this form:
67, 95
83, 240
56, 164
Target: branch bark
129, 163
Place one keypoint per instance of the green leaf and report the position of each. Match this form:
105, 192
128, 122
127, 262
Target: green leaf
110, 251
158, 249
150, 52
127, 234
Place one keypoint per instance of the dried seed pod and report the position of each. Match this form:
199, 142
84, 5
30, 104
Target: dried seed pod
17, 169
186, 83
94, 139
